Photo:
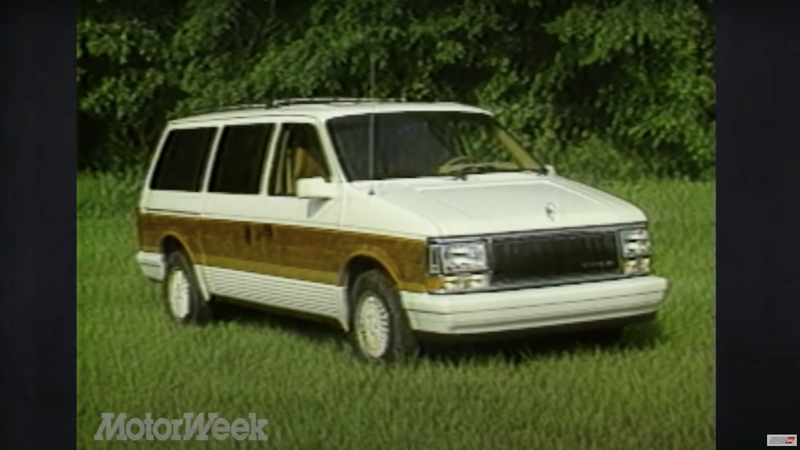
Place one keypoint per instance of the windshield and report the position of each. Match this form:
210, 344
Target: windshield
425, 144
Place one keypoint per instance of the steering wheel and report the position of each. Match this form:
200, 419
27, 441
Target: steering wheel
458, 159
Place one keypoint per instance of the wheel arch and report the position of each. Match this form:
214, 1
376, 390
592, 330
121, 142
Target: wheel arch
172, 242
364, 261
357, 264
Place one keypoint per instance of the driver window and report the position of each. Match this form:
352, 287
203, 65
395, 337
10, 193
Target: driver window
298, 155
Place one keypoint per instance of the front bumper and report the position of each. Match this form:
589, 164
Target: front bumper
151, 265
524, 309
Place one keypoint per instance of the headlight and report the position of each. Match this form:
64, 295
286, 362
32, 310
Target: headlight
635, 243
449, 284
458, 267
635, 251
637, 266
458, 257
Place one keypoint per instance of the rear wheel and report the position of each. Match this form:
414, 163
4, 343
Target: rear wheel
380, 332
181, 292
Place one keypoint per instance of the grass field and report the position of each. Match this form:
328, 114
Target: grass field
653, 390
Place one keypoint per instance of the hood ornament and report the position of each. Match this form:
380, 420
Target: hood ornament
551, 210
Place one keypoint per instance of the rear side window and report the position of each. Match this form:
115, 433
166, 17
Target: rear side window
239, 164
183, 160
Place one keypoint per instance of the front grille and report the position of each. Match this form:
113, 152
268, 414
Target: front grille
554, 258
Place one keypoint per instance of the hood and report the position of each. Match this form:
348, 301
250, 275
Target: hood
497, 203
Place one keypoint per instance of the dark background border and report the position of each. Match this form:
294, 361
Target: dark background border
37, 225
758, 198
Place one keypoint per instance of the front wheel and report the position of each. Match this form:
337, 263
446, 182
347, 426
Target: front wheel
380, 331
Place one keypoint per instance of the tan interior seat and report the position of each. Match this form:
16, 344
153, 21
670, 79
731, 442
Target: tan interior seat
302, 163
305, 165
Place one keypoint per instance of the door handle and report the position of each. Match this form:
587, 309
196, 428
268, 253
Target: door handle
265, 230
257, 231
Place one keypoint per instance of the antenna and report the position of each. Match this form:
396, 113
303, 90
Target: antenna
371, 149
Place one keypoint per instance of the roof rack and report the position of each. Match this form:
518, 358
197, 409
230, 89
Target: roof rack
295, 101
328, 100
215, 109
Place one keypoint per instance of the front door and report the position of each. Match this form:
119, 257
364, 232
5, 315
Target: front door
306, 267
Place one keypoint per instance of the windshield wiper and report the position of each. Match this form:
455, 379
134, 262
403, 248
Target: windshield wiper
473, 169
462, 173
540, 171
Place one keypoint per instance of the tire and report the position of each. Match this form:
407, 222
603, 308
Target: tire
181, 293
379, 329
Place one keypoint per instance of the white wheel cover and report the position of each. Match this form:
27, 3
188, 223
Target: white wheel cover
372, 326
179, 294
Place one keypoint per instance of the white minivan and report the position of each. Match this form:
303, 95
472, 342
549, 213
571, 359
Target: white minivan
397, 221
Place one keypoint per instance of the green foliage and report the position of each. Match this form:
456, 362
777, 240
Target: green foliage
646, 65
634, 75
108, 194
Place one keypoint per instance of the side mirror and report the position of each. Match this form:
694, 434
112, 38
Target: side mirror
549, 169
316, 187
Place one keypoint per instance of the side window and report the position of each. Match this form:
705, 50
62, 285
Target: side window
240, 158
183, 160
298, 155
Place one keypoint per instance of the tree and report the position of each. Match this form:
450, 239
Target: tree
634, 74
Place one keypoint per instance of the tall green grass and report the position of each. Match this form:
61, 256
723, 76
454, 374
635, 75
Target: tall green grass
652, 390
